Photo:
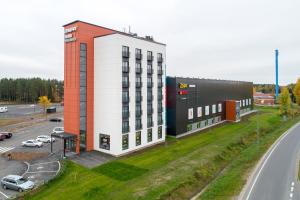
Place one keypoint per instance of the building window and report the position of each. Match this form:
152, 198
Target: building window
149, 69
138, 54
159, 58
138, 140
149, 135
206, 110
125, 126
250, 102
247, 102
149, 82
159, 119
125, 142
125, 66
219, 107
125, 111
125, 96
159, 82
199, 112
189, 127
104, 141
214, 109
125, 81
138, 124
149, 56
138, 96
125, 51
149, 121
149, 95
159, 132
240, 103
159, 107
243, 102
138, 68
138, 110
190, 113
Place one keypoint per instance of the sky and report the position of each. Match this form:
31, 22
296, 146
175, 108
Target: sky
232, 39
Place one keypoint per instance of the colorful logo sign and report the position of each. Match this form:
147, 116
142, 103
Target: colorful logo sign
183, 85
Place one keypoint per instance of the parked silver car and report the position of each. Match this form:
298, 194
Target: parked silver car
32, 143
45, 138
58, 130
16, 182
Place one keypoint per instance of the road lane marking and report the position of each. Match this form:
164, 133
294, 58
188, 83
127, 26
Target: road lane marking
292, 189
291, 195
5, 149
282, 137
293, 183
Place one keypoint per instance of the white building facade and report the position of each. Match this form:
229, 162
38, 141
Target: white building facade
129, 93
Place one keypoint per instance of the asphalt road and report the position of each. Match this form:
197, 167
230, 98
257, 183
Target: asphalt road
25, 110
276, 177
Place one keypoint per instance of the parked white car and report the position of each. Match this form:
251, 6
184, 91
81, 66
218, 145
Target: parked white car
3, 109
32, 143
58, 130
45, 138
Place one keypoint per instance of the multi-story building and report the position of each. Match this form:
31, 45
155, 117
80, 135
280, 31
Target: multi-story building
194, 104
114, 90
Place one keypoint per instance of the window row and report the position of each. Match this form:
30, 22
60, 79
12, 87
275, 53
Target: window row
138, 120
203, 123
139, 69
245, 102
206, 110
138, 138
139, 55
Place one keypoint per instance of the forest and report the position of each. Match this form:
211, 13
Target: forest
28, 90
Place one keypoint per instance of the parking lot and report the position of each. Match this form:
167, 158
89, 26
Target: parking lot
25, 110
39, 170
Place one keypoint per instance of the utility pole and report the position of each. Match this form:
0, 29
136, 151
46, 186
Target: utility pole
276, 69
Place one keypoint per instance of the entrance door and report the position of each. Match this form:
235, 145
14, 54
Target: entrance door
70, 145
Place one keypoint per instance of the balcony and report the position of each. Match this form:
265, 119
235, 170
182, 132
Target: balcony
149, 97
159, 84
159, 59
160, 97
160, 122
149, 70
138, 70
150, 111
125, 99
150, 58
138, 56
149, 124
138, 98
125, 129
149, 84
138, 84
160, 72
125, 115
160, 109
138, 113
125, 84
125, 54
125, 69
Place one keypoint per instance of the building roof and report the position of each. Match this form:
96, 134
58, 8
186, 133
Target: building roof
207, 79
115, 31
63, 135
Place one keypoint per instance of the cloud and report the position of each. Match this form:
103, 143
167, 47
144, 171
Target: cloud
210, 39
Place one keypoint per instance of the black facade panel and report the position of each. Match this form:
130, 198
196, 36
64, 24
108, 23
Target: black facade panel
190, 93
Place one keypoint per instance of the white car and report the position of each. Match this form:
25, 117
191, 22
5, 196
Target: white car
58, 130
45, 138
32, 143
3, 109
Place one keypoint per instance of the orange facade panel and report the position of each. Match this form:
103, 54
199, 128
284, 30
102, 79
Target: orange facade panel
230, 106
84, 33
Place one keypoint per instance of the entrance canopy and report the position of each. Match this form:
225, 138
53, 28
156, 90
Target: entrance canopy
63, 135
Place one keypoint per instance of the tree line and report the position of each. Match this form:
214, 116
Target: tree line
28, 90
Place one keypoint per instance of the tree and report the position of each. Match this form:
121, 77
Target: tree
297, 91
44, 102
285, 102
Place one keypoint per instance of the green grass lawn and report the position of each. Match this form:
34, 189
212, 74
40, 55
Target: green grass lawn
177, 169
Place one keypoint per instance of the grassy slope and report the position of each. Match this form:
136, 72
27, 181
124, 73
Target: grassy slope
188, 163
231, 182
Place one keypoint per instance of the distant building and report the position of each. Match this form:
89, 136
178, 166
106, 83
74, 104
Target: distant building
263, 99
195, 104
